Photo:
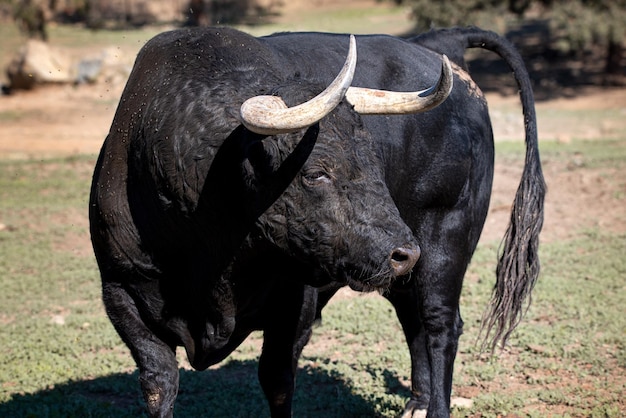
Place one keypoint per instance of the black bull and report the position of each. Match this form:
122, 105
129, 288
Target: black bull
205, 230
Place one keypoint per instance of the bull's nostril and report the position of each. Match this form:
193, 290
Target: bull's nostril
403, 259
399, 256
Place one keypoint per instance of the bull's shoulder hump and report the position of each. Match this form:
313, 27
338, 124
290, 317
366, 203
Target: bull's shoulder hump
201, 40
306, 46
218, 36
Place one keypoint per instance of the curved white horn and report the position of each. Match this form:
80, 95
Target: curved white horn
382, 102
269, 115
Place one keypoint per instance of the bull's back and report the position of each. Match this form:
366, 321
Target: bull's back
383, 62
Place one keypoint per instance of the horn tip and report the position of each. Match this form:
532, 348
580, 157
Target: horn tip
352, 48
446, 74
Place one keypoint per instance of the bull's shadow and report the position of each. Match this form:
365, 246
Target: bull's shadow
229, 391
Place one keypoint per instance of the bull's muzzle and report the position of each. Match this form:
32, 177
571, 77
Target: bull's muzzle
403, 259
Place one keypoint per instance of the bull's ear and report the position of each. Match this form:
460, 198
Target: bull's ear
269, 156
237, 145
272, 165
247, 135
259, 160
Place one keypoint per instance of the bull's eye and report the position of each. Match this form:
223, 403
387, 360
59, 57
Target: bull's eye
316, 177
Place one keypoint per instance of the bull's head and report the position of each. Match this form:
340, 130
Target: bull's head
338, 214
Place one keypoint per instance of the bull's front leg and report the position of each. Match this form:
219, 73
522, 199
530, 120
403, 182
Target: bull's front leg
289, 321
156, 360
429, 314
406, 303
443, 326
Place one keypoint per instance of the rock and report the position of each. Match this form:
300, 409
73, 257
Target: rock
461, 402
58, 320
108, 66
39, 63
89, 70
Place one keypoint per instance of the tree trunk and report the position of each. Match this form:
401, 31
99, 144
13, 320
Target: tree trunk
614, 57
615, 73
198, 14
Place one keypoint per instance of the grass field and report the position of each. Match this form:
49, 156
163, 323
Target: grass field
60, 357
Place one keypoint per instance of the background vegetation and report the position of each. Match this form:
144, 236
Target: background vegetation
577, 26
553, 33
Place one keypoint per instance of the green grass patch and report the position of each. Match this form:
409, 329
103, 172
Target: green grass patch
78, 37
342, 18
569, 351
609, 153
11, 116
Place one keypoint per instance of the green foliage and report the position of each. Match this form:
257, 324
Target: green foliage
582, 21
431, 14
576, 26
576, 154
31, 18
588, 22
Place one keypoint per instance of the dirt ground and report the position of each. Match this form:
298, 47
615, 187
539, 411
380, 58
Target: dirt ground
578, 196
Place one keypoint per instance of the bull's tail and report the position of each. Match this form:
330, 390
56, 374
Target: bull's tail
518, 266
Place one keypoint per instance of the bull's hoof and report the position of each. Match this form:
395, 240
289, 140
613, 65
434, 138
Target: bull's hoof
414, 413
414, 410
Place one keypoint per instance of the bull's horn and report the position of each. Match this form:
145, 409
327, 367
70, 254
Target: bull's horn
382, 102
269, 115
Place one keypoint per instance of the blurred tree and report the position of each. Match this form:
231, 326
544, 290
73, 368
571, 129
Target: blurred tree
32, 15
577, 24
432, 14
586, 23
209, 12
196, 14
31, 19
